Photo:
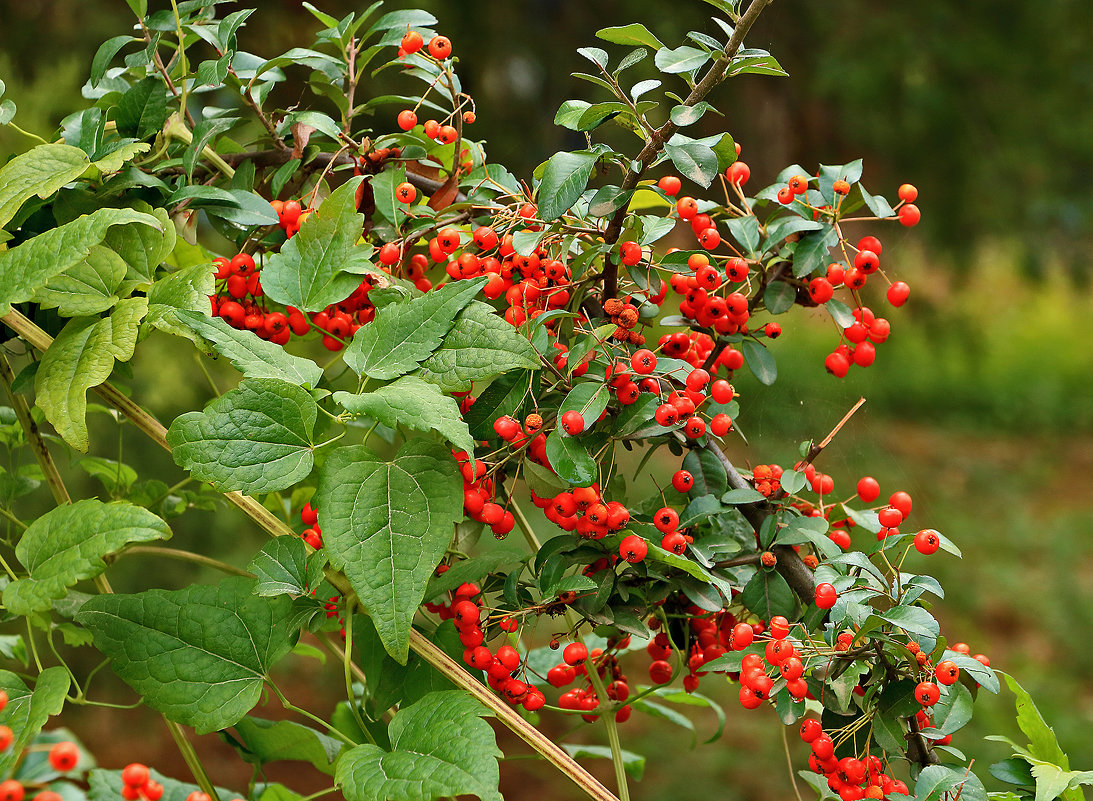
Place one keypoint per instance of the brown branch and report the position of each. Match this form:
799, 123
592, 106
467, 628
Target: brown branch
714, 76
816, 450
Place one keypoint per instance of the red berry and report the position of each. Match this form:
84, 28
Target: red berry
643, 361
909, 215
902, 501
633, 548
687, 208
825, 596
927, 693
11, 790
660, 672
868, 489
738, 173
575, 654
666, 519
670, 185
440, 47
927, 541
572, 422
411, 42
407, 119
63, 756
682, 481
898, 293
908, 193
405, 192
820, 290
947, 672
6, 737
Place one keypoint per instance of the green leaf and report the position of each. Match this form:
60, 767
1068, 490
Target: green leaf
508, 394
187, 289
28, 266
570, 459
708, 473
116, 158
936, 780
256, 438
283, 567
914, 620
680, 59
564, 179
1042, 741
87, 287
260, 741
67, 544
982, 674
953, 711
144, 247
82, 356
760, 361
414, 403
406, 333
322, 263
768, 594
479, 346
105, 54
813, 251
779, 297
40, 171
683, 116
142, 110
252, 356
440, 747
633, 34
28, 710
633, 764
694, 160
199, 655
570, 112
386, 524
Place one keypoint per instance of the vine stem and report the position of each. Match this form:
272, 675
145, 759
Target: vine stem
420, 644
34, 436
185, 556
193, 761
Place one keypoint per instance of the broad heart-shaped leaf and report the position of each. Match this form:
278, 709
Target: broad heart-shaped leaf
68, 544
27, 267
252, 356
28, 710
413, 403
440, 747
82, 357
283, 567
321, 264
564, 179
255, 438
386, 525
406, 333
187, 289
40, 171
479, 346
87, 287
259, 741
144, 248
198, 655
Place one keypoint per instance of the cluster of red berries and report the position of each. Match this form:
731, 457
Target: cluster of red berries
137, 783
709, 637
478, 492
440, 47
576, 659
290, 215
585, 511
859, 345
852, 778
779, 655
312, 535
707, 302
695, 349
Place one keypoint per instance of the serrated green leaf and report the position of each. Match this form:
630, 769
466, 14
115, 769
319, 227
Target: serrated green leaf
199, 655
564, 179
260, 741
570, 459
405, 333
143, 247
252, 356
82, 356
256, 438
411, 402
283, 567
187, 289
87, 287
322, 263
28, 266
440, 747
68, 544
40, 171
479, 346
386, 525
1042, 741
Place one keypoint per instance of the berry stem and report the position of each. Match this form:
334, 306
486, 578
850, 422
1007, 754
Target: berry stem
193, 762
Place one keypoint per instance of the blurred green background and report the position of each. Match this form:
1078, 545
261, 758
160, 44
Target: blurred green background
980, 404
